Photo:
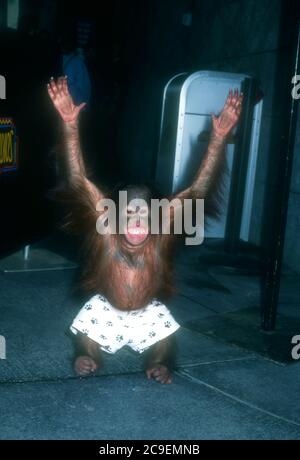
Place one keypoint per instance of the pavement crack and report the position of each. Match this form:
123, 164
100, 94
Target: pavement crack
187, 376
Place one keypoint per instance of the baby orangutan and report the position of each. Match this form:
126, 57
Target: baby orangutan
128, 273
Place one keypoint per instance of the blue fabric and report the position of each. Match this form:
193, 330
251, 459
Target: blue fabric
79, 83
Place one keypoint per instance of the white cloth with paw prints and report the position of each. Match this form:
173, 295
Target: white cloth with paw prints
113, 328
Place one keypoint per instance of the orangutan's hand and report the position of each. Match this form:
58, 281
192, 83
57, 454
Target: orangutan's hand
229, 117
62, 100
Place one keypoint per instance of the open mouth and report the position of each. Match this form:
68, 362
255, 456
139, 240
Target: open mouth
137, 235
137, 231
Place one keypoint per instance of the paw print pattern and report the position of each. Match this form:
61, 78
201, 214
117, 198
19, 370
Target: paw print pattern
100, 297
107, 347
153, 320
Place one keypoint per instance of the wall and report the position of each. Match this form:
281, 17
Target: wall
154, 52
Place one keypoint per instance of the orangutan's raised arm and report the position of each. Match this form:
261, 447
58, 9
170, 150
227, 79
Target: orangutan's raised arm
74, 167
208, 176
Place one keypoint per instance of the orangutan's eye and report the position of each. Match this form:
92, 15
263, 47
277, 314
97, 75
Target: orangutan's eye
130, 211
143, 211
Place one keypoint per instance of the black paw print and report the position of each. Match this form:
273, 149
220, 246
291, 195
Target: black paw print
103, 337
109, 323
152, 334
100, 297
107, 347
119, 338
94, 321
143, 341
85, 331
105, 308
167, 324
160, 315
88, 307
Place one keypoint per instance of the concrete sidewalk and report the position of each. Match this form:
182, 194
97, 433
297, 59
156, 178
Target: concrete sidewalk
220, 390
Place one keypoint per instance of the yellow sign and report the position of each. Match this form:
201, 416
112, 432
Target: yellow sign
8, 145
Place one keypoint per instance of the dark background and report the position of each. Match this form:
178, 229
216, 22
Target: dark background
135, 47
